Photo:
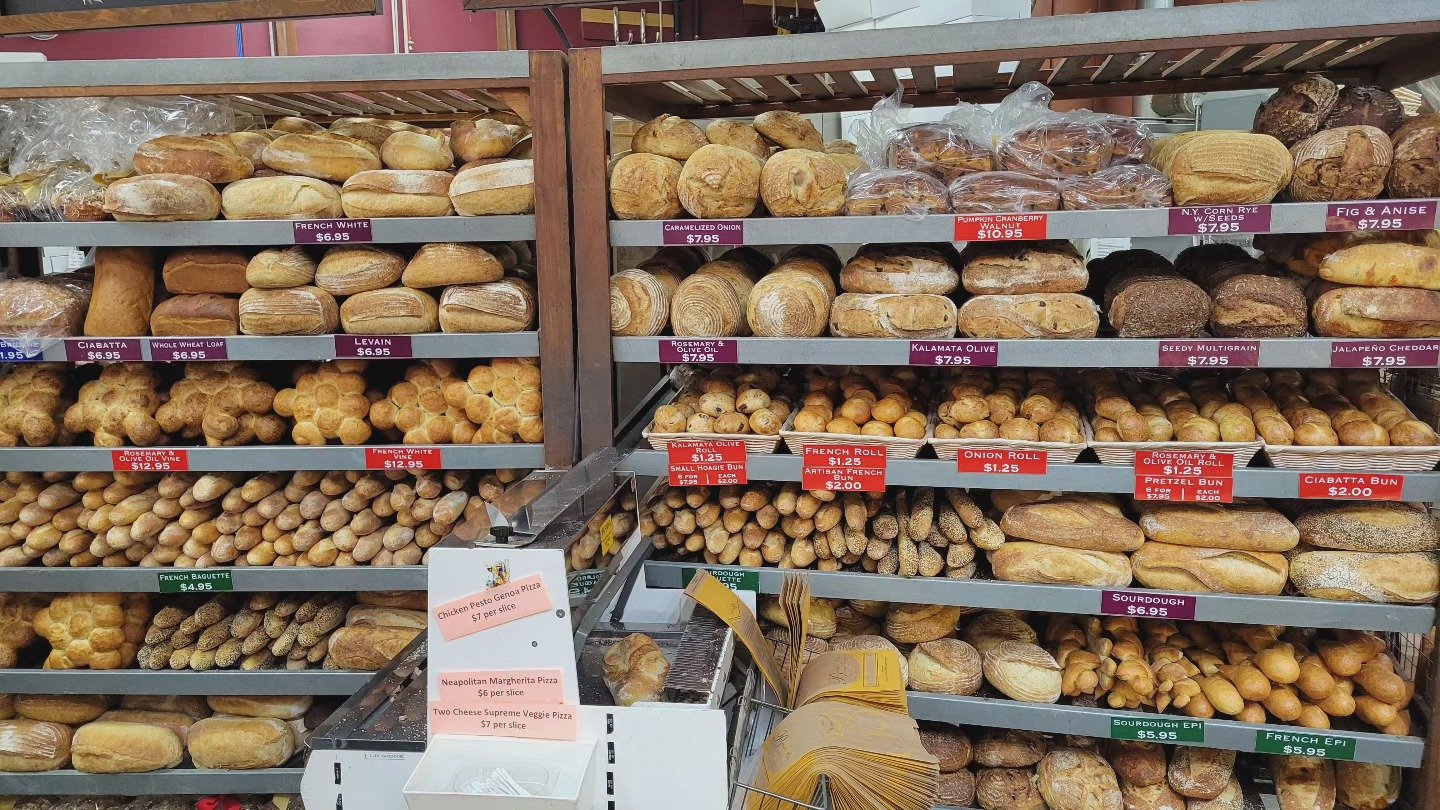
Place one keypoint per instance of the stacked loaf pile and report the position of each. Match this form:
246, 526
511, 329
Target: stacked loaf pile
1367, 552
1007, 404
592, 549
1025, 290
1203, 548
190, 520
728, 402
896, 291
1369, 285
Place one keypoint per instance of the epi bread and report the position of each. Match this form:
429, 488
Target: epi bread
326, 156
1016, 268
738, 134
241, 743
789, 130
1240, 526
390, 311
211, 159
162, 198
1394, 312
507, 305
916, 270
440, 264
396, 193
669, 136
107, 746
28, 746
506, 187
803, 183
291, 311
416, 151
1348, 163
1073, 522
124, 292
1196, 569
645, 186
1044, 564
1369, 526
1415, 167
1030, 315
640, 302
480, 138
924, 317
720, 182
1362, 576
277, 268
286, 196
189, 271
350, 269
1384, 264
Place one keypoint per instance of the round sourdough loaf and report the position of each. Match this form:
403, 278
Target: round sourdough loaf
944, 742
286, 196
1304, 782
803, 183
1007, 789
504, 187
1078, 779
793, 300
417, 151
327, 156
1348, 163
720, 182
945, 665
640, 302
1138, 763
644, 186
507, 305
390, 311
789, 130
1238, 168
1022, 672
212, 159
669, 136
481, 138
1367, 786
396, 193
162, 198
1200, 773
1297, 109
739, 135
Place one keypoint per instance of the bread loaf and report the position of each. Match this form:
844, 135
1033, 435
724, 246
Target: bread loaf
917, 624
178, 722
368, 648
1367, 786
285, 196
351, 269
895, 192
1253, 306
189, 271
241, 743
1010, 748
1073, 522
956, 789
1298, 108
1196, 569
1348, 163
1362, 576
328, 156
1032, 315
52, 306
507, 305
292, 311
720, 182
1234, 168
790, 130
1003, 193
162, 198
739, 135
1016, 268
1240, 526
480, 138
793, 300
940, 149
1078, 779
1368, 105
212, 159
945, 665
946, 743
1200, 773
1022, 671
390, 311
1304, 783
507, 187
192, 705
1369, 526
443, 264
1159, 307
1056, 147
1152, 797
124, 292
1364, 312
28, 746
1055, 565
802, 183
278, 268
1232, 797
416, 151
1123, 186
670, 136
106, 746
899, 269
281, 707
924, 317
68, 709
1137, 763
1415, 168
1007, 789
1384, 264
396, 193
711, 303
640, 303
373, 131
377, 616
645, 186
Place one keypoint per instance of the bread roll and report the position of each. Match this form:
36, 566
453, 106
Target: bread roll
507, 305
1348, 163
1073, 522
1362, 576
670, 136
1384, 264
1078, 779
898, 269
105, 746
1304, 783
720, 182
923, 317
328, 156
278, 268
481, 138
350, 269
189, 271
1240, 526
416, 151
1200, 773
292, 311
802, 183
281, 707
1022, 671
1298, 108
390, 311
212, 159
443, 264
1369, 526
68, 709
1044, 564
124, 292
792, 300
1194, 569
27, 746
286, 196
1367, 786
162, 198
507, 187
739, 135
368, 648
1015, 268
644, 186
1254, 306
1159, 307
1032, 315
1364, 312
394, 193
1415, 169
241, 743
789, 130
1228, 168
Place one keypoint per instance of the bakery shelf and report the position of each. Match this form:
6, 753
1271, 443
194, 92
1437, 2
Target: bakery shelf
1383, 749
993, 594
1093, 353
174, 782
1250, 482
264, 458
244, 579
260, 232
304, 347
169, 682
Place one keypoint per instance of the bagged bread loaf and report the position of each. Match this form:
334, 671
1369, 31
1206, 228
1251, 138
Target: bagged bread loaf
803, 183
291, 311
189, 271
241, 743
1349, 163
507, 187
1377, 313
283, 197
720, 182
326, 156
1297, 109
106, 746
925, 317
1032, 139
27, 746
204, 315
1003, 193
396, 193
71, 710
507, 305
1024, 561
1017, 268
944, 150
1031, 315
51, 306
162, 198
792, 300
1415, 168
124, 292
895, 192
1369, 526
645, 186
390, 311
1196, 569
1124, 186
912, 270
1362, 576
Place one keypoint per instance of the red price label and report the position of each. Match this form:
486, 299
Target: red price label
1209, 353
1001, 227
843, 468
402, 458
1413, 215
954, 353
707, 463
150, 460
706, 352
1184, 475
1348, 487
1384, 353
373, 347
1004, 462
1219, 219
1143, 605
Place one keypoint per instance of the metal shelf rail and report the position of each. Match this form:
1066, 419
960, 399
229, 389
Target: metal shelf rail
165, 682
243, 579
265, 458
174, 782
290, 347
431, 89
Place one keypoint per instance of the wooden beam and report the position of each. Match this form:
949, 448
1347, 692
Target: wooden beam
220, 11
505, 32
287, 38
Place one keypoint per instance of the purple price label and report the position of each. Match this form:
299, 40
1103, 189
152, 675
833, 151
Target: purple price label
1206, 220
699, 351
331, 231
700, 232
1400, 215
1384, 353
372, 347
1144, 605
171, 350
985, 353
103, 350
1209, 353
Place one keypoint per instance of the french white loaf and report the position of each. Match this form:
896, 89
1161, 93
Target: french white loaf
241, 743
286, 196
507, 187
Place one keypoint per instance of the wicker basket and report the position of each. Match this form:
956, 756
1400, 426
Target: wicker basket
754, 445
1365, 459
1055, 452
895, 447
1124, 452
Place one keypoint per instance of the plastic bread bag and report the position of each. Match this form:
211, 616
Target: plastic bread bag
948, 149
892, 191
1125, 186
1131, 140
1033, 139
47, 307
76, 195
12, 203
36, 740
1003, 193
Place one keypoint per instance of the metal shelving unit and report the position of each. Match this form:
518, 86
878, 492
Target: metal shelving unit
243, 579
1290, 611
166, 682
1385, 749
174, 782
260, 232
292, 348
264, 458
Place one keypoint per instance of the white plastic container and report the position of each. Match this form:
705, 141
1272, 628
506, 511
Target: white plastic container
559, 775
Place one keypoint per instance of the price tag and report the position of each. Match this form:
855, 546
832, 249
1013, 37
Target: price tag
1004, 462
1381, 215
1157, 729
373, 347
1384, 353
720, 352
173, 350
150, 460
843, 468
976, 353
1001, 227
194, 581
735, 580
331, 231
1219, 219
707, 463
1286, 743
1184, 475
581, 583
403, 458
1350, 487
703, 232
103, 350
1147, 605
20, 350
1209, 353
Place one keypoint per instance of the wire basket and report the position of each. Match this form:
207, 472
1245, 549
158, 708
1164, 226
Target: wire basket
758, 716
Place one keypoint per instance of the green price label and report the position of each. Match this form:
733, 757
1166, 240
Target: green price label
1305, 745
1157, 729
582, 582
195, 581
730, 578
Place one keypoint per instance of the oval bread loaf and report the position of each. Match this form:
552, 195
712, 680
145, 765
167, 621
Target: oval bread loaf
1369, 526
1209, 570
368, 648
292, 311
1393, 312
30, 746
106, 746
882, 269
926, 317
440, 264
1415, 170
507, 187
1200, 773
1073, 522
327, 156
162, 198
1022, 671
1024, 561
1242, 526
1016, 268
1362, 576
1032, 315
241, 743
281, 707
284, 197
396, 193
211, 159
69, 709
390, 311
1367, 786
278, 268
1384, 264
507, 305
